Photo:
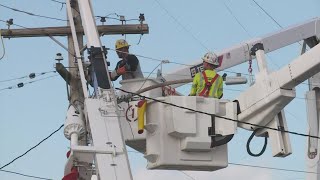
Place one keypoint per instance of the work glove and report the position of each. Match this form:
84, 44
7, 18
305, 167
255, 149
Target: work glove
121, 70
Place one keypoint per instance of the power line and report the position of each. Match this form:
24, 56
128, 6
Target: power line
257, 166
173, 62
25, 175
267, 14
187, 175
149, 76
153, 59
178, 22
58, 1
271, 17
32, 14
20, 85
245, 29
31, 148
31, 76
272, 168
48, 34
119, 19
232, 14
229, 119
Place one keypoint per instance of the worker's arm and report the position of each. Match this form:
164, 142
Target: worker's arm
220, 88
194, 85
115, 74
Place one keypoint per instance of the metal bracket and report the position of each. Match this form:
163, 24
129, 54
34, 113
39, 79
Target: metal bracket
255, 48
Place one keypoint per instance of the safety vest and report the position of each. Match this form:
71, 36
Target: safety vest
208, 84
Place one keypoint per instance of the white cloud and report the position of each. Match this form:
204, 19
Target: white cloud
229, 173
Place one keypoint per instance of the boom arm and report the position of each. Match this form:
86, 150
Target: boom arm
241, 53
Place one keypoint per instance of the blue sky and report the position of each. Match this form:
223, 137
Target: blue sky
30, 113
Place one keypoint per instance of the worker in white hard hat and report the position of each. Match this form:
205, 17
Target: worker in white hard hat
208, 83
128, 67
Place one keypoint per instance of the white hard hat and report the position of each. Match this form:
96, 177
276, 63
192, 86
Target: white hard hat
211, 58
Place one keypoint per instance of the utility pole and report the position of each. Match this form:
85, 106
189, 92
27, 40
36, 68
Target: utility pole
107, 146
76, 93
65, 30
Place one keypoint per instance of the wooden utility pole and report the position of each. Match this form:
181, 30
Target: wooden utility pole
71, 76
66, 31
76, 92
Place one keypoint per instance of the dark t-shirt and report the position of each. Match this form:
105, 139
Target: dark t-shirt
131, 64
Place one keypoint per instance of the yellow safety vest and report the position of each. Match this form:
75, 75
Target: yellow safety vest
199, 85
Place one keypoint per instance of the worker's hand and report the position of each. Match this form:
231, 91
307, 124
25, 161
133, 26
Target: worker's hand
121, 70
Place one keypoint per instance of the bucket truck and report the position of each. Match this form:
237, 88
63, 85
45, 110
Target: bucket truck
182, 132
177, 138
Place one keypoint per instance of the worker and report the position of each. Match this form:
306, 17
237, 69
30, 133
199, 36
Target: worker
128, 67
208, 83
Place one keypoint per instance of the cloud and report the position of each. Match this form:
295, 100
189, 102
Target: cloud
229, 173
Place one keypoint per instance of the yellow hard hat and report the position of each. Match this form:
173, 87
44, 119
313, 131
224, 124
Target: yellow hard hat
121, 43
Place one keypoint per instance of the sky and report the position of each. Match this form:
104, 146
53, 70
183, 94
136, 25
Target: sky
180, 31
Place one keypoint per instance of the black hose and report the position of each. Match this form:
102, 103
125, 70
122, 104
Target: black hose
263, 148
225, 140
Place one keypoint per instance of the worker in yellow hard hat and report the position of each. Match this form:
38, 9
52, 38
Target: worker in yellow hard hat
208, 83
128, 67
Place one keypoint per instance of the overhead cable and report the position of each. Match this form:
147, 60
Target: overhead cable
189, 176
271, 17
256, 166
180, 24
31, 76
228, 119
149, 75
32, 14
47, 33
58, 1
22, 84
272, 168
235, 17
267, 14
151, 58
46, 138
245, 29
25, 175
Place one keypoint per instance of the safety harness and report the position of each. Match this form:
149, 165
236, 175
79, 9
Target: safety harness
206, 90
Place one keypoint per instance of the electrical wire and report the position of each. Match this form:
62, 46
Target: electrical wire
46, 138
32, 14
256, 166
235, 17
150, 58
186, 174
48, 34
58, 1
31, 76
173, 62
267, 14
4, 49
20, 85
270, 17
245, 29
62, 3
228, 119
25, 175
180, 24
149, 76
272, 168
